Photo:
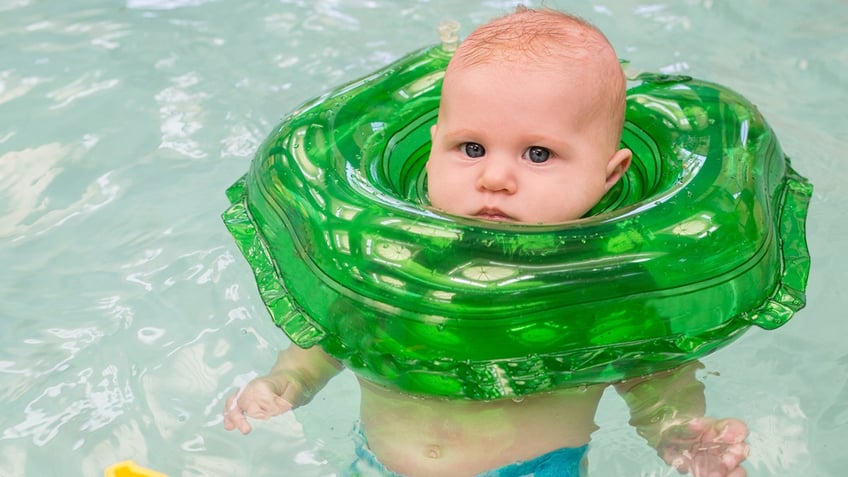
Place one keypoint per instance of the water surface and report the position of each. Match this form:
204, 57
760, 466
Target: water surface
128, 314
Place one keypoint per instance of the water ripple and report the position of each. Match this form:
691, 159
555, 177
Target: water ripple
92, 398
14, 86
129, 316
6, 5
165, 4
25, 180
86, 85
181, 112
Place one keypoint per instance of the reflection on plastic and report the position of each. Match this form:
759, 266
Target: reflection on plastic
701, 239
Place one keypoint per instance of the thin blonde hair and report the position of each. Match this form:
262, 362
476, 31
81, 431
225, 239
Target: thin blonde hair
558, 39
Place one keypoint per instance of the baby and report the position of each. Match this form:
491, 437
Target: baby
528, 131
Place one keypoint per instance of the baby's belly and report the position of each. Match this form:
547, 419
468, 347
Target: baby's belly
417, 436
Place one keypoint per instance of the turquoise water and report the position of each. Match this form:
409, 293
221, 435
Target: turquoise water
128, 315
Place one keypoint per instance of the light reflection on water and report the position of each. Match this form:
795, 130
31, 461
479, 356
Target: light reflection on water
128, 315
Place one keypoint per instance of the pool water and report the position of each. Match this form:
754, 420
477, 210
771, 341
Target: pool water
128, 314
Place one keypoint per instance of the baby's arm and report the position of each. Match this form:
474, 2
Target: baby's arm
295, 378
668, 410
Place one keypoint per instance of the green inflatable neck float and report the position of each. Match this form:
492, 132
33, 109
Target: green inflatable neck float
703, 238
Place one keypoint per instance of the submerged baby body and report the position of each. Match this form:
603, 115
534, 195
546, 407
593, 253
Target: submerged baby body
424, 436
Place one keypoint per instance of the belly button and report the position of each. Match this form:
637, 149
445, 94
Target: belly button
434, 451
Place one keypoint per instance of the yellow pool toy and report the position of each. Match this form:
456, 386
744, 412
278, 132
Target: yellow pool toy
129, 468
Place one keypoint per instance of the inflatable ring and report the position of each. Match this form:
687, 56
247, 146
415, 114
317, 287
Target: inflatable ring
703, 238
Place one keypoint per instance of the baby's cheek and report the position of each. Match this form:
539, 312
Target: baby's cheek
445, 197
437, 198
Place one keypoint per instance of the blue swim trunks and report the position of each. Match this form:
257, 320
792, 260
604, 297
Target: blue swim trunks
566, 462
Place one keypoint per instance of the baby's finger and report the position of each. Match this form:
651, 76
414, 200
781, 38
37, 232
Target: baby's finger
229, 423
229, 404
237, 420
234, 416
734, 455
244, 426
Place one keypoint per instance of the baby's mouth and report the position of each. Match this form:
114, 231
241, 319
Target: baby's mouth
491, 213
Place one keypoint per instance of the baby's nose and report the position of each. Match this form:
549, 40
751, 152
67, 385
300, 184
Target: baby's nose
497, 174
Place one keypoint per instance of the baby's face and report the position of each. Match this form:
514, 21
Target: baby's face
521, 145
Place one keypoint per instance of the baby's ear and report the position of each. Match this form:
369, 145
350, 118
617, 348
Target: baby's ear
432, 138
617, 166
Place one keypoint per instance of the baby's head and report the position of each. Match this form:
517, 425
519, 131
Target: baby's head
530, 121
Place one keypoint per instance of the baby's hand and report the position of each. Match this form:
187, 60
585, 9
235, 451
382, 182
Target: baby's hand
706, 447
262, 398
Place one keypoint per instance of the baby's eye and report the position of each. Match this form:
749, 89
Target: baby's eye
537, 154
472, 149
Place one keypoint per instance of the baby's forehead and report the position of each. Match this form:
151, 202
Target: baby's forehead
584, 72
